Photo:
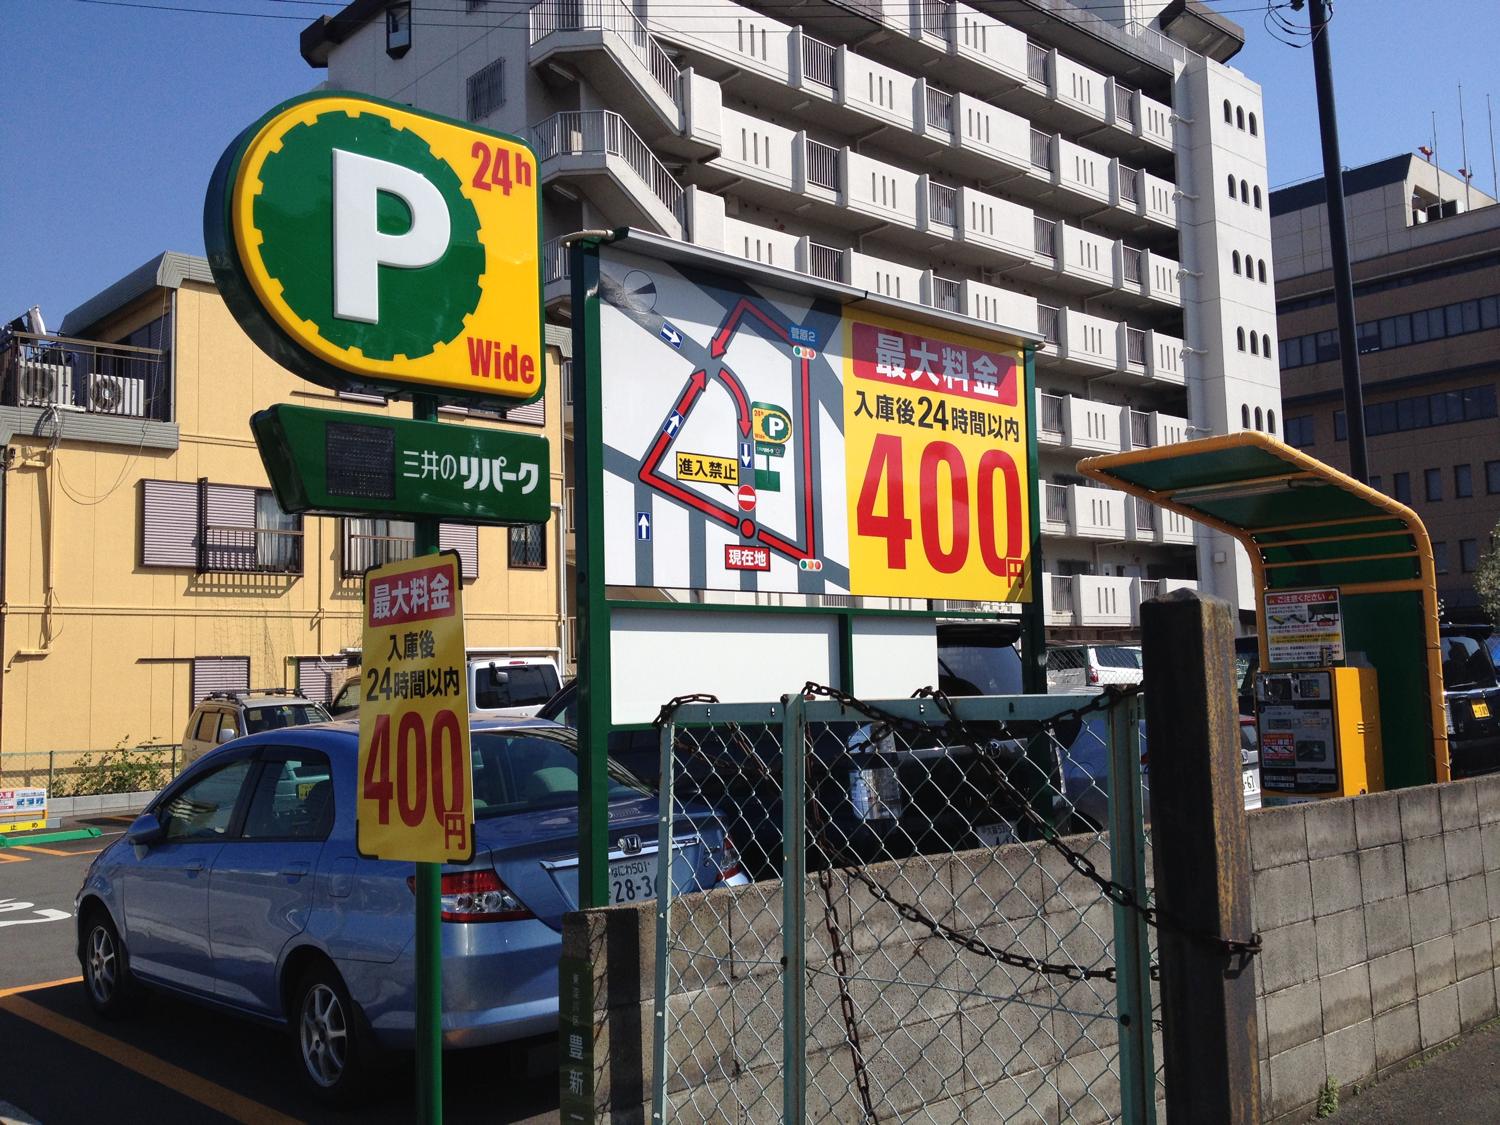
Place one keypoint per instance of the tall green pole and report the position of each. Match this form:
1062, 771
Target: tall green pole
1033, 622
429, 896
593, 611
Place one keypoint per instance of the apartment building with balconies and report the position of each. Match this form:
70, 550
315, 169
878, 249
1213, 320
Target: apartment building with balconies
1028, 163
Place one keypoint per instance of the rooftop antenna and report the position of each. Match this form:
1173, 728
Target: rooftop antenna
1494, 175
1463, 136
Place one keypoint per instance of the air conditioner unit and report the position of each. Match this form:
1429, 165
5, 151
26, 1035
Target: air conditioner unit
116, 394
44, 384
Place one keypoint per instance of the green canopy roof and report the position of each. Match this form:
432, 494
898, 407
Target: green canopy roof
1305, 522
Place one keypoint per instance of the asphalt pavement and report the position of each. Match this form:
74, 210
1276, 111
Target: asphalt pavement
1458, 1084
178, 1061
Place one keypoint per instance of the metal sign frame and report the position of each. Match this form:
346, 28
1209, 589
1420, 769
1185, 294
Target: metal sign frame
596, 608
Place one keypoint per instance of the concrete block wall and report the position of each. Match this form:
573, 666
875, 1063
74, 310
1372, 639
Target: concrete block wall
960, 1035
1380, 917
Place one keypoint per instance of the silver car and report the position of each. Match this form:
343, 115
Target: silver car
241, 886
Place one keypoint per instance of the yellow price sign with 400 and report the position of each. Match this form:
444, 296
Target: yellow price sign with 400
416, 798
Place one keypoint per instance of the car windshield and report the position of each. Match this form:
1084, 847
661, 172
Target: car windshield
513, 685
535, 768
1115, 656
348, 697
1466, 664
979, 669
274, 716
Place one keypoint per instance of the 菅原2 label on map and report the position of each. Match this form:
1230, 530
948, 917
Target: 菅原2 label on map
368, 243
935, 455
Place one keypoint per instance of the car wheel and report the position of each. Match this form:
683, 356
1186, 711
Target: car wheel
332, 1050
106, 968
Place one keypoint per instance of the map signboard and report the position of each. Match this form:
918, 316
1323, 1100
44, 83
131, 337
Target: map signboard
760, 440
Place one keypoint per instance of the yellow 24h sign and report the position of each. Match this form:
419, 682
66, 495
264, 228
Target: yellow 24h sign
416, 792
365, 243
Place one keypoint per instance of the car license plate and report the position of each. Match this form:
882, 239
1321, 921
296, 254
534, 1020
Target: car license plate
632, 880
993, 835
1481, 710
1252, 783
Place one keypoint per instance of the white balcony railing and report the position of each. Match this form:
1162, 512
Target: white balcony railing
826, 262
550, 16
554, 261
819, 62
822, 165
604, 133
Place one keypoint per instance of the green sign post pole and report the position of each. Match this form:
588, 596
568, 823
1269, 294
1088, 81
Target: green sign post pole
429, 896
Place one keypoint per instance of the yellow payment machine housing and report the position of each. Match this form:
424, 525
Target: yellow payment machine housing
1319, 733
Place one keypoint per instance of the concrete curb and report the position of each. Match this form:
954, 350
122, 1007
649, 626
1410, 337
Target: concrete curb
100, 804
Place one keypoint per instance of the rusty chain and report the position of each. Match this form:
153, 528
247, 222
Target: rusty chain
1112, 696
1118, 893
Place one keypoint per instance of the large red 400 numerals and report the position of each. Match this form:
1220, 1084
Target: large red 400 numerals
887, 466
408, 784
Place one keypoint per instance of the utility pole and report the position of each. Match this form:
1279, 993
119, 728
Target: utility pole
1338, 240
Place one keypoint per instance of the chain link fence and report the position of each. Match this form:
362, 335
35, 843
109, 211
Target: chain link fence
88, 773
948, 920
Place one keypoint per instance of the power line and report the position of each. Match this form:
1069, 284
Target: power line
510, 7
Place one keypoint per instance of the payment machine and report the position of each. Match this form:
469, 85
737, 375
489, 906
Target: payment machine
1319, 733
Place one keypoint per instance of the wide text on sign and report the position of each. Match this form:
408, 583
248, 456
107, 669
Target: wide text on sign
416, 799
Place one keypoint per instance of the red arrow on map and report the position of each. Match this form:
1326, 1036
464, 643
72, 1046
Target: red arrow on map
741, 400
720, 343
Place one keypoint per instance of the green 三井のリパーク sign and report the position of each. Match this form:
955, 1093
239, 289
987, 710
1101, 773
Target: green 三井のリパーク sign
364, 244
343, 463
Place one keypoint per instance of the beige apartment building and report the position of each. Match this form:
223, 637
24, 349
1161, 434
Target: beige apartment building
143, 559
1426, 254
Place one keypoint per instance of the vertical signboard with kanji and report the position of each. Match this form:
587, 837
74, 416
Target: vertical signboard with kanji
416, 797
935, 450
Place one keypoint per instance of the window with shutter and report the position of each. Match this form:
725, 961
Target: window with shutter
464, 539
219, 673
375, 542
169, 523
318, 677
533, 414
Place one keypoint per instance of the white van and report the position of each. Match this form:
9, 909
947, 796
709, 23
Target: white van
1084, 668
502, 684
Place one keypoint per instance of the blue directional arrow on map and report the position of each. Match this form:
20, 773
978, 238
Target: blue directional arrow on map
673, 424
747, 453
670, 334
643, 525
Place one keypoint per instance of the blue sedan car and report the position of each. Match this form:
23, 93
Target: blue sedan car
241, 886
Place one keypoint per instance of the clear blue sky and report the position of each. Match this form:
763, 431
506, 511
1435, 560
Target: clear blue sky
115, 116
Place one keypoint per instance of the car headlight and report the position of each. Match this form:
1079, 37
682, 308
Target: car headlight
875, 792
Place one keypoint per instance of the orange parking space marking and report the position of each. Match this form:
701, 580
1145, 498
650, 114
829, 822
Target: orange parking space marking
38, 987
237, 1107
46, 851
6, 857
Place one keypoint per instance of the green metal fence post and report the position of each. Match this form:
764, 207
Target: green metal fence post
593, 656
429, 897
660, 1027
1127, 848
793, 909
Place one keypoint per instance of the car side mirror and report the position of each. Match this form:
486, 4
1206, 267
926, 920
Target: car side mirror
226, 733
145, 831
498, 678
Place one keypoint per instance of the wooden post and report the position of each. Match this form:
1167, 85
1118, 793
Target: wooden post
1201, 854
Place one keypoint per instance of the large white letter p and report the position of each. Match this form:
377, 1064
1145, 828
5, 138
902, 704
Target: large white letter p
359, 247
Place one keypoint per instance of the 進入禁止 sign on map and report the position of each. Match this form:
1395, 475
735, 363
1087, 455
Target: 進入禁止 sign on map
775, 442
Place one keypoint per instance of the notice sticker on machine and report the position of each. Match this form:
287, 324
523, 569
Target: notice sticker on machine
1304, 628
